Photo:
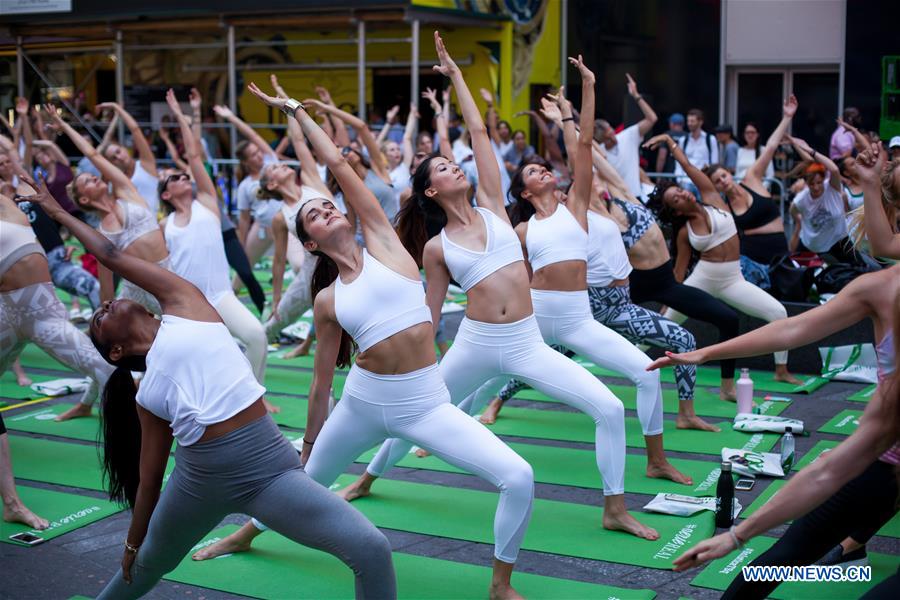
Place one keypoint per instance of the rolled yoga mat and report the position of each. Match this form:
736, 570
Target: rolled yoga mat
277, 567
66, 512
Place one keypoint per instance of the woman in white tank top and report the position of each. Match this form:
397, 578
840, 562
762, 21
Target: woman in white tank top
374, 297
125, 217
711, 231
194, 236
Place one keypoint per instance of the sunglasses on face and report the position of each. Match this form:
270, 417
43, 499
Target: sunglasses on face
177, 177
346, 150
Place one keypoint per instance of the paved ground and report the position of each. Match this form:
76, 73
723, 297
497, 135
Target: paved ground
82, 561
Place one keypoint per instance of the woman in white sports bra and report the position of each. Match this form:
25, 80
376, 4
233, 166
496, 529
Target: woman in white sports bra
125, 216
193, 234
711, 231
372, 297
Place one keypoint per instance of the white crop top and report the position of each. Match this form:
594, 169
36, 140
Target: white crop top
555, 239
198, 253
468, 267
138, 222
378, 303
196, 376
722, 229
607, 258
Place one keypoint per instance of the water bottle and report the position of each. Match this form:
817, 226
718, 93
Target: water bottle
725, 497
745, 392
787, 450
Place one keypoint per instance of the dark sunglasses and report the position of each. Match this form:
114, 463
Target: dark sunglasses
176, 177
346, 150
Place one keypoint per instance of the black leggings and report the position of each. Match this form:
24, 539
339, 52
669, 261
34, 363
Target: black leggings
238, 261
864, 504
659, 285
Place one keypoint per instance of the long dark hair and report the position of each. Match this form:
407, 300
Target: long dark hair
120, 428
420, 218
324, 274
521, 209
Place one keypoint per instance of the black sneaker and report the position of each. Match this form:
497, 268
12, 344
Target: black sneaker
836, 556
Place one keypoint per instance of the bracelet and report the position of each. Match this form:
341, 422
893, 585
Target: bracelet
291, 106
734, 538
130, 548
306, 441
568, 119
638, 98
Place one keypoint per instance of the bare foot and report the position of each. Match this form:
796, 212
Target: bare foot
422, 452
19, 513
694, 422
357, 489
228, 545
23, 380
490, 414
625, 522
503, 592
785, 376
667, 471
271, 407
301, 350
76, 412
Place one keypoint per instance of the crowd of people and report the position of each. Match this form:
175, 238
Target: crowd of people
556, 249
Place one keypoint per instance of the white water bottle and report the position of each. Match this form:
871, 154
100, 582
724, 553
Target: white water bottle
745, 392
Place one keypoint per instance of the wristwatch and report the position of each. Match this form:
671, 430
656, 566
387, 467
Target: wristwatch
291, 106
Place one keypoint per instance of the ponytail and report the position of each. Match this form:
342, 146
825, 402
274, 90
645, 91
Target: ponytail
420, 218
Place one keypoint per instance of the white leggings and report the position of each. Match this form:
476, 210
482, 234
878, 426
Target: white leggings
725, 282
482, 351
416, 407
245, 327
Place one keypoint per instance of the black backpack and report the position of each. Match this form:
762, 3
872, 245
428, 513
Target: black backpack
833, 278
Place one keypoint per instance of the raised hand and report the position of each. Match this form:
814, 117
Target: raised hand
447, 67
801, 144
223, 112
22, 107
551, 111
324, 95
279, 91
172, 101
587, 76
448, 91
790, 107
53, 112
391, 115
195, 99
487, 96
870, 164
101, 106
267, 99
317, 104
631, 85
431, 95
655, 141
42, 196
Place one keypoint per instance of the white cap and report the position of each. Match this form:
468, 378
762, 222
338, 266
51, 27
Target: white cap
895, 142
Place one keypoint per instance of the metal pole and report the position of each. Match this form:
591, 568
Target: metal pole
232, 85
563, 42
842, 69
414, 65
361, 69
722, 53
120, 81
20, 69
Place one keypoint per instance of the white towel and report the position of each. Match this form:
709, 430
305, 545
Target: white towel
62, 387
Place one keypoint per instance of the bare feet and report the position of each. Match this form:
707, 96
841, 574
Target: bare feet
422, 452
302, 349
358, 489
727, 390
17, 512
490, 414
76, 412
694, 422
504, 592
782, 374
22, 378
228, 545
665, 470
622, 521
272, 408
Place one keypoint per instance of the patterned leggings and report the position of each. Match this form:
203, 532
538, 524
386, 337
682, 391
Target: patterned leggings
34, 314
612, 307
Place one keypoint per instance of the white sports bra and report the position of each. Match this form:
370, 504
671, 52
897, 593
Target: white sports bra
722, 229
468, 267
378, 303
555, 239
17, 241
198, 253
607, 257
138, 222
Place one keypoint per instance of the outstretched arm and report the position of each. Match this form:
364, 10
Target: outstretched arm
583, 161
491, 118
650, 118
206, 190
25, 124
708, 191
309, 170
54, 150
362, 129
172, 149
757, 170
141, 146
882, 238
389, 119
225, 113
408, 134
861, 142
808, 153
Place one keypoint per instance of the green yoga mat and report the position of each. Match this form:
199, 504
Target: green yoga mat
814, 453
10, 389
289, 381
40, 420
556, 527
863, 395
280, 568
719, 574
66, 512
34, 357
293, 411
573, 467
710, 377
843, 423
578, 427
706, 404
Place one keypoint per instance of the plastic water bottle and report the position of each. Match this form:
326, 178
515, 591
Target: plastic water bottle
787, 450
745, 392
725, 497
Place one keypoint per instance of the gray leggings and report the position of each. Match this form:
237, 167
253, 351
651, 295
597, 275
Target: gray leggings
254, 470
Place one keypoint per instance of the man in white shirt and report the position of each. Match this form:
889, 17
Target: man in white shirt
623, 149
700, 147
142, 172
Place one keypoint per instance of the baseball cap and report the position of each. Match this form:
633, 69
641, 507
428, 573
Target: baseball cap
676, 118
895, 142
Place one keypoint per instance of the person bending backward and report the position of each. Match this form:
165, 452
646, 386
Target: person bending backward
881, 201
710, 230
194, 238
848, 494
125, 217
230, 457
373, 297
756, 214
